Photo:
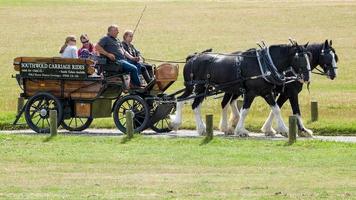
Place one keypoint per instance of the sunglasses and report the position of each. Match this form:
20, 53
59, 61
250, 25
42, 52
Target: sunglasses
84, 42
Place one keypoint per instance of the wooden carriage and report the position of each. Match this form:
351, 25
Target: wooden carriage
79, 94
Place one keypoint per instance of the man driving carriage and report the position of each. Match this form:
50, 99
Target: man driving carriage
110, 47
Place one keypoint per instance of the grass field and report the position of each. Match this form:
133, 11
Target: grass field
173, 29
82, 167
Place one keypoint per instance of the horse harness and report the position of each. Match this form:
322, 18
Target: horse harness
268, 72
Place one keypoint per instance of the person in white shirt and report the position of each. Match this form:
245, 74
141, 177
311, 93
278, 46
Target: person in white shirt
69, 49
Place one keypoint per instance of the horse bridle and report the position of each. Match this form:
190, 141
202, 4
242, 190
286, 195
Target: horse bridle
325, 67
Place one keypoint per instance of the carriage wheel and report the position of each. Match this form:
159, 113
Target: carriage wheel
77, 123
163, 125
37, 111
139, 108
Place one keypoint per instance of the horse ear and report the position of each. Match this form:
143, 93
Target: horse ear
326, 44
306, 45
331, 42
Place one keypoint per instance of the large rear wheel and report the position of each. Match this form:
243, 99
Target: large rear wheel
138, 106
37, 111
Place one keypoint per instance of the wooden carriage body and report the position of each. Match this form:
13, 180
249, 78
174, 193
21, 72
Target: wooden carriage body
81, 92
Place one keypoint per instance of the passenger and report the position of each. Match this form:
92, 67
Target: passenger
146, 69
111, 47
87, 50
69, 49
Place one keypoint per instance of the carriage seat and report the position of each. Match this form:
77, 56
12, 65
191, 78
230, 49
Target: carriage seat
107, 67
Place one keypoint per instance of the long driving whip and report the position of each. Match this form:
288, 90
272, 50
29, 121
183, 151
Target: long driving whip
139, 20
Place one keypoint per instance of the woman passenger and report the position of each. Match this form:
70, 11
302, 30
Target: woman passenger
146, 69
87, 49
69, 49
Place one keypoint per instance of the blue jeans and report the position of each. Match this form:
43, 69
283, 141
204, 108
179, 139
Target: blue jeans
132, 69
138, 66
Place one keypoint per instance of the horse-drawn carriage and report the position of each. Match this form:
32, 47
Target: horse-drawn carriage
69, 87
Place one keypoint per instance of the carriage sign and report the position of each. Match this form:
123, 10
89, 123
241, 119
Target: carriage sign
53, 70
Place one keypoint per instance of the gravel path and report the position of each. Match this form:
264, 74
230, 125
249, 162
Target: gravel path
185, 133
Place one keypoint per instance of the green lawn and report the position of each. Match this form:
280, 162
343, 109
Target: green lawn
101, 167
173, 29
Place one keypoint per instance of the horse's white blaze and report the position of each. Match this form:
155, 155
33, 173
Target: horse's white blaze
234, 118
240, 127
200, 124
223, 121
308, 67
267, 126
176, 120
333, 63
281, 127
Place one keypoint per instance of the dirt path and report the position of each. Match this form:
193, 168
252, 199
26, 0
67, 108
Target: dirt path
185, 133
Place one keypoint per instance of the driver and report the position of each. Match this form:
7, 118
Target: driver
110, 47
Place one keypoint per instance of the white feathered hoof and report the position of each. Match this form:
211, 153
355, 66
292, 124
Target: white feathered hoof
305, 133
230, 131
268, 131
173, 124
283, 131
201, 129
242, 133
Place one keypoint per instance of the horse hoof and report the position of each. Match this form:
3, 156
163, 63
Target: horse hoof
305, 133
242, 133
201, 130
270, 134
284, 134
268, 131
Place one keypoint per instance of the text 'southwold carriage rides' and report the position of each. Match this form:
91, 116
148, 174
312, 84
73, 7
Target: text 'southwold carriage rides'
66, 85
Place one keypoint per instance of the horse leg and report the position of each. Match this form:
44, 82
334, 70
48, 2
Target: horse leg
223, 126
201, 128
234, 117
267, 128
303, 132
281, 127
240, 127
176, 119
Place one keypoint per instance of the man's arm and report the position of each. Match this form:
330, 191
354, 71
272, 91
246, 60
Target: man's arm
101, 50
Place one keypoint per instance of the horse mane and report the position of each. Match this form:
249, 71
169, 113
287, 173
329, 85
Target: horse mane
196, 53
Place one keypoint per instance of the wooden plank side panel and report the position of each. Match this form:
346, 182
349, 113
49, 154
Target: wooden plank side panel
82, 89
37, 85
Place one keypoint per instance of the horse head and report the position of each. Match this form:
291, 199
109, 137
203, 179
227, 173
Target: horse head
300, 62
328, 59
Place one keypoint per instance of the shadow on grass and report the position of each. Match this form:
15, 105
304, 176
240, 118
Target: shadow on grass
206, 140
49, 138
126, 139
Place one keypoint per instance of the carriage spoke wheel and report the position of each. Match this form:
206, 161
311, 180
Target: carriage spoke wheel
163, 125
77, 123
138, 106
37, 111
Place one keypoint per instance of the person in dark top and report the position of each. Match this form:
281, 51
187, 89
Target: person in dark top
87, 49
110, 47
146, 69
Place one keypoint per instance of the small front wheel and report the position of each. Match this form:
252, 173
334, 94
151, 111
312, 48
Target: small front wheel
37, 111
138, 106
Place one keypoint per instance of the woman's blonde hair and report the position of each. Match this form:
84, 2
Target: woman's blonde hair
84, 36
68, 39
126, 33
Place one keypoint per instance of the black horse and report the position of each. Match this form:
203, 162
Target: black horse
237, 74
322, 55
